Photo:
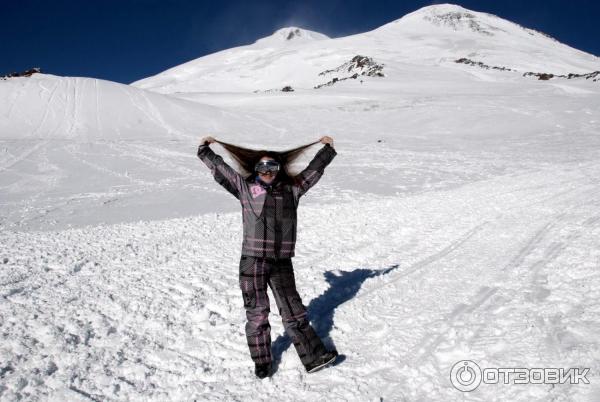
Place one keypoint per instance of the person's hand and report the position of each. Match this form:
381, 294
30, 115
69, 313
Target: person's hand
326, 140
208, 139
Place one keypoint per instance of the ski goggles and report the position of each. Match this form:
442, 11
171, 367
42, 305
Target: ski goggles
267, 166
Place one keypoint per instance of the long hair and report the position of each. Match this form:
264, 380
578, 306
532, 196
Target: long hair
247, 158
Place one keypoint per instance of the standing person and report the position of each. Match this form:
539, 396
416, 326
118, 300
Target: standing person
269, 198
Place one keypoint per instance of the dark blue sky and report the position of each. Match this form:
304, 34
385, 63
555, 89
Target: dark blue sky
131, 39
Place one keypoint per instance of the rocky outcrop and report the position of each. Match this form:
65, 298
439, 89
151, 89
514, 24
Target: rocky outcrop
356, 67
293, 33
365, 64
542, 76
286, 88
482, 65
26, 73
594, 76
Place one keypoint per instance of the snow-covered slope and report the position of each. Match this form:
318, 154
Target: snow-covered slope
447, 32
460, 220
268, 63
84, 109
434, 35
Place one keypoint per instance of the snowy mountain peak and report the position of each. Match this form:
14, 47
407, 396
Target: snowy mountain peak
456, 18
292, 35
442, 9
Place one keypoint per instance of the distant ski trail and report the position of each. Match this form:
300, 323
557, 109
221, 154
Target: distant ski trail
428, 260
97, 108
25, 154
36, 131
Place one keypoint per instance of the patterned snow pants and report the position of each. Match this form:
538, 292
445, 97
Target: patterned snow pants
255, 274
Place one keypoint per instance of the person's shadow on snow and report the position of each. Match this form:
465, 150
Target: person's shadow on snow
343, 286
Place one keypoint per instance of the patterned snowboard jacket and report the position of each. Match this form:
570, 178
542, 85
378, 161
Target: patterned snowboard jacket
269, 212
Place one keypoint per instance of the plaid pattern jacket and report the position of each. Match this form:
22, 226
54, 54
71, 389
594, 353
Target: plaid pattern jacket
269, 212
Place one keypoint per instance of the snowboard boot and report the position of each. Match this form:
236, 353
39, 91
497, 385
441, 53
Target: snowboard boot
262, 370
322, 361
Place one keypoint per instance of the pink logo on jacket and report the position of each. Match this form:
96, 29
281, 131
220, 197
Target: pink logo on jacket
257, 190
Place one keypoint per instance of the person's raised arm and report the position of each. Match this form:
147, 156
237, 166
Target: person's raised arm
315, 169
224, 174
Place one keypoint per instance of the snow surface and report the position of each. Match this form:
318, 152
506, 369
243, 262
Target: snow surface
460, 220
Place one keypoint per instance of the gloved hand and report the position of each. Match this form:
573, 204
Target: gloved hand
207, 140
326, 140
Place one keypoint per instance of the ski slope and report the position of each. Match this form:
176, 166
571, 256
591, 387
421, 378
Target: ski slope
459, 221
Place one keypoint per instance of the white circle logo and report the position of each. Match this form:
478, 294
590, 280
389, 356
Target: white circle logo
465, 375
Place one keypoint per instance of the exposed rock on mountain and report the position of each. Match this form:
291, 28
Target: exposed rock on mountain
290, 36
358, 66
541, 76
482, 65
286, 88
26, 73
548, 76
362, 65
